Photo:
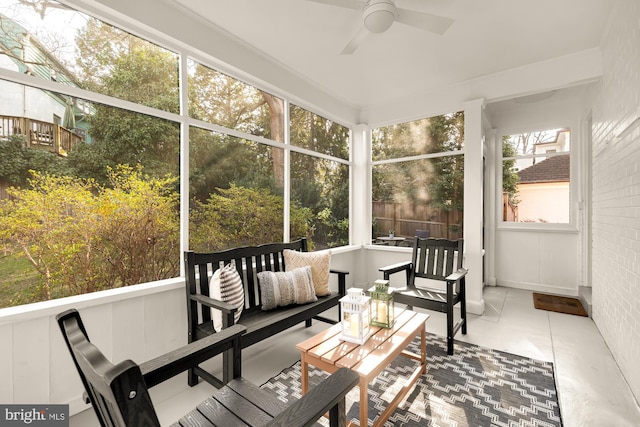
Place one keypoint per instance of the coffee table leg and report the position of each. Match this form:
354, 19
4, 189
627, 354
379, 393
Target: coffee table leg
364, 402
304, 373
423, 349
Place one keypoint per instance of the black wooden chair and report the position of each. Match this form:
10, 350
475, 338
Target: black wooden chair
440, 260
119, 393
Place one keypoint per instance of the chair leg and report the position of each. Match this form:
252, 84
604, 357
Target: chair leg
463, 306
449, 320
449, 329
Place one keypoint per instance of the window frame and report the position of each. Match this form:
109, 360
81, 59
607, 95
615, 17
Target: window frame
573, 153
182, 118
410, 158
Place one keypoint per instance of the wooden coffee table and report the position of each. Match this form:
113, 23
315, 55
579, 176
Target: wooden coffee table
328, 352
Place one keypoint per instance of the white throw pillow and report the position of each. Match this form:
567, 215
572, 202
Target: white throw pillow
226, 286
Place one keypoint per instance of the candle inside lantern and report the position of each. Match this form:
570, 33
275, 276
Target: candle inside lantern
382, 312
354, 327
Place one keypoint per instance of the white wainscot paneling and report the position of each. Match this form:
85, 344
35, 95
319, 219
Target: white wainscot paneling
165, 322
539, 261
6, 364
31, 361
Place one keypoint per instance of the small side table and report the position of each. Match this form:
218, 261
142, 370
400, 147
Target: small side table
395, 241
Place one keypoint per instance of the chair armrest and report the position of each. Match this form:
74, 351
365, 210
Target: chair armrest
328, 395
171, 364
213, 303
456, 275
342, 281
395, 268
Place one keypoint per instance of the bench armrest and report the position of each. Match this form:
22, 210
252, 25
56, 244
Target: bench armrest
342, 280
329, 395
213, 303
171, 364
456, 275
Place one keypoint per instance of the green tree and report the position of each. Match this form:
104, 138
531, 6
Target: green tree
82, 237
510, 178
319, 184
239, 216
118, 64
446, 190
16, 160
52, 223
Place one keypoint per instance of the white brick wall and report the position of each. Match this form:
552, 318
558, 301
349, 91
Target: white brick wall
616, 193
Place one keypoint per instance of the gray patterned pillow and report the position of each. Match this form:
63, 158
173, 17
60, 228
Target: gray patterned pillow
226, 285
282, 288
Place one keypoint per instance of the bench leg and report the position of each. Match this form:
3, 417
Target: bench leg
227, 366
192, 378
307, 323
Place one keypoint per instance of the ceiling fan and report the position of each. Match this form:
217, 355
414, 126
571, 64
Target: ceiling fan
379, 15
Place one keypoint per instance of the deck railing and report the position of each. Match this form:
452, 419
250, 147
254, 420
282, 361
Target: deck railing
40, 134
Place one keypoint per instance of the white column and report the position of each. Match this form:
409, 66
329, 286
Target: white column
473, 206
493, 199
360, 222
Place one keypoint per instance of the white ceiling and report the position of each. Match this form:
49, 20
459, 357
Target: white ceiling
487, 37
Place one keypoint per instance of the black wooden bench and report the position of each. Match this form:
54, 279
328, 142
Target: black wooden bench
120, 397
260, 324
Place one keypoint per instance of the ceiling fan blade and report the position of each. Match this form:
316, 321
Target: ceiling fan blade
355, 41
348, 4
423, 21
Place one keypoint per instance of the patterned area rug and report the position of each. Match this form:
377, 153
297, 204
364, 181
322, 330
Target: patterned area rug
475, 387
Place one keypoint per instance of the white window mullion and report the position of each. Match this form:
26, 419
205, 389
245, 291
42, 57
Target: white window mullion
184, 159
287, 174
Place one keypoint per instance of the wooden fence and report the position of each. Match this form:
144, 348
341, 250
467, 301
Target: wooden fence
407, 218
509, 210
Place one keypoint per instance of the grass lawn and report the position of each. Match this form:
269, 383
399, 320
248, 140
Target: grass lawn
19, 282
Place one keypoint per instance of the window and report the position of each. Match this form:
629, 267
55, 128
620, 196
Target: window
84, 211
319, 185
536, 177
57, 43
102, 208
235, 198
222, 100
418, 178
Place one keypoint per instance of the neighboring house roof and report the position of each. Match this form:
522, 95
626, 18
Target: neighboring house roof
552, 169
30, 55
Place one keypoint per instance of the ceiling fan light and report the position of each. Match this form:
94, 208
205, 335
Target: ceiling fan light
379, 21
379, 15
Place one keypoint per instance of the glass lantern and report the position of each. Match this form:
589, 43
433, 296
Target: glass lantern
355, 316
382, 304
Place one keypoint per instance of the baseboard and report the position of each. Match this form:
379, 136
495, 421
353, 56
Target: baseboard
475, 307
537, 287
585, 298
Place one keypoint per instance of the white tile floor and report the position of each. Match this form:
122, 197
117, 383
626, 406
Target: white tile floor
591, 388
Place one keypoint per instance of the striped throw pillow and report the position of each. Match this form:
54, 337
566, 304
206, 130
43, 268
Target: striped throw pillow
282, 288
226, 286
